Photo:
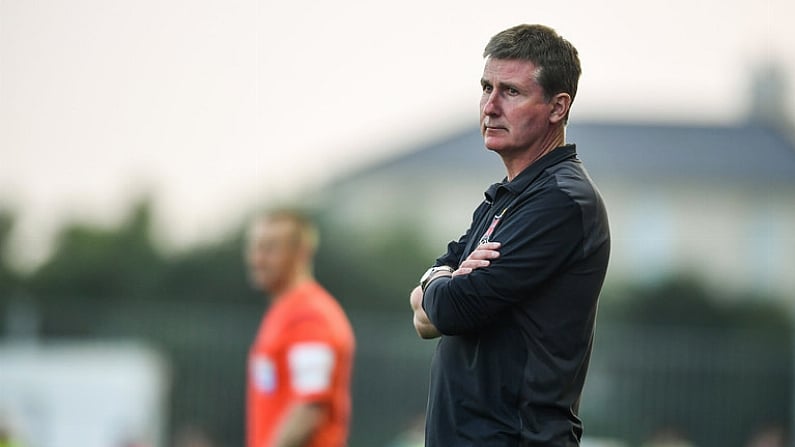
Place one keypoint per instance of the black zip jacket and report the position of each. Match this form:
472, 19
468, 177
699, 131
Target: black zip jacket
510, 366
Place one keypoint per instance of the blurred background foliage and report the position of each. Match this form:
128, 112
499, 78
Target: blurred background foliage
197, 308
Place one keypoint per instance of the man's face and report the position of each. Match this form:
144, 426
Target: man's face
514, 115
271, 254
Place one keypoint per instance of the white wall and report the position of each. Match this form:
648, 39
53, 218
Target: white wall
83, 394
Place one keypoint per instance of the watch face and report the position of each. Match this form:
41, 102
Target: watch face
426, 275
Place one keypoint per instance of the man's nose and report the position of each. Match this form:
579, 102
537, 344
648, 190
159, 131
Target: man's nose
490, 104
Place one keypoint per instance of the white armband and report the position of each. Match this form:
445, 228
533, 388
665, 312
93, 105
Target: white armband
311, 366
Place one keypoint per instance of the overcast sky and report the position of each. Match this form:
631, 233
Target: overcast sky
217, 106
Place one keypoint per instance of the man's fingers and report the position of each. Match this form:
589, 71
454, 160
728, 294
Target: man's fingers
472, 264
467, 266
488, 246
490, 254
484, 253
462, 271
479, 258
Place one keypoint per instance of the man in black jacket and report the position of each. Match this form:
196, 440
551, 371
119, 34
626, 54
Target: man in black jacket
514, 299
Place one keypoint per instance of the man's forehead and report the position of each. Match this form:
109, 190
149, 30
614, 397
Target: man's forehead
508, 67
272, 228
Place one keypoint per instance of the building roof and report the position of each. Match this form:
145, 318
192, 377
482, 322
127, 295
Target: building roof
748, 153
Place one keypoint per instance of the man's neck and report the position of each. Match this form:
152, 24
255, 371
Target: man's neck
295, 282
515, 163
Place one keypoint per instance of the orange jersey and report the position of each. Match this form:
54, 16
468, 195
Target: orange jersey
303, 352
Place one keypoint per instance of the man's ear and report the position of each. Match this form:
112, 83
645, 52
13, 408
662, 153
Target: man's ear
560, 107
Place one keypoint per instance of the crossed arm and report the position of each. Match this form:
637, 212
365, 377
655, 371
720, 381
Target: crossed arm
479, 258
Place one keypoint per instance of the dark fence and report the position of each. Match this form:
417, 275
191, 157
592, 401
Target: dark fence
714, 385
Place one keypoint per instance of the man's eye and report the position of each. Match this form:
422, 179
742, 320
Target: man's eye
487, 88
513, 91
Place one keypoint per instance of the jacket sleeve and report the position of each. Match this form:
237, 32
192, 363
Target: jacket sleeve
537, 239
454, 251
456, 248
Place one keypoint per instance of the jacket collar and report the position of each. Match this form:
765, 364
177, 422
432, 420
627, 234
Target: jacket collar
530, 173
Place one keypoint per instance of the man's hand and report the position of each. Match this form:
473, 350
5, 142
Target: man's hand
479, 258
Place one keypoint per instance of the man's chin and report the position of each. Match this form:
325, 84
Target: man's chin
493, 146
260, 284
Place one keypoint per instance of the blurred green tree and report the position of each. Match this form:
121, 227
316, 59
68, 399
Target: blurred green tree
100, 263
9, 279
373, 271
208, 272
686, 301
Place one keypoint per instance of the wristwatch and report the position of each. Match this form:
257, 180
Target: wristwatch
430, 274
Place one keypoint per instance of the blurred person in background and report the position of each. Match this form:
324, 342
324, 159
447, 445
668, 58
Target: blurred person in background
413, 435
667, 436
772, 435
300, 364
192, 436
514, 299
